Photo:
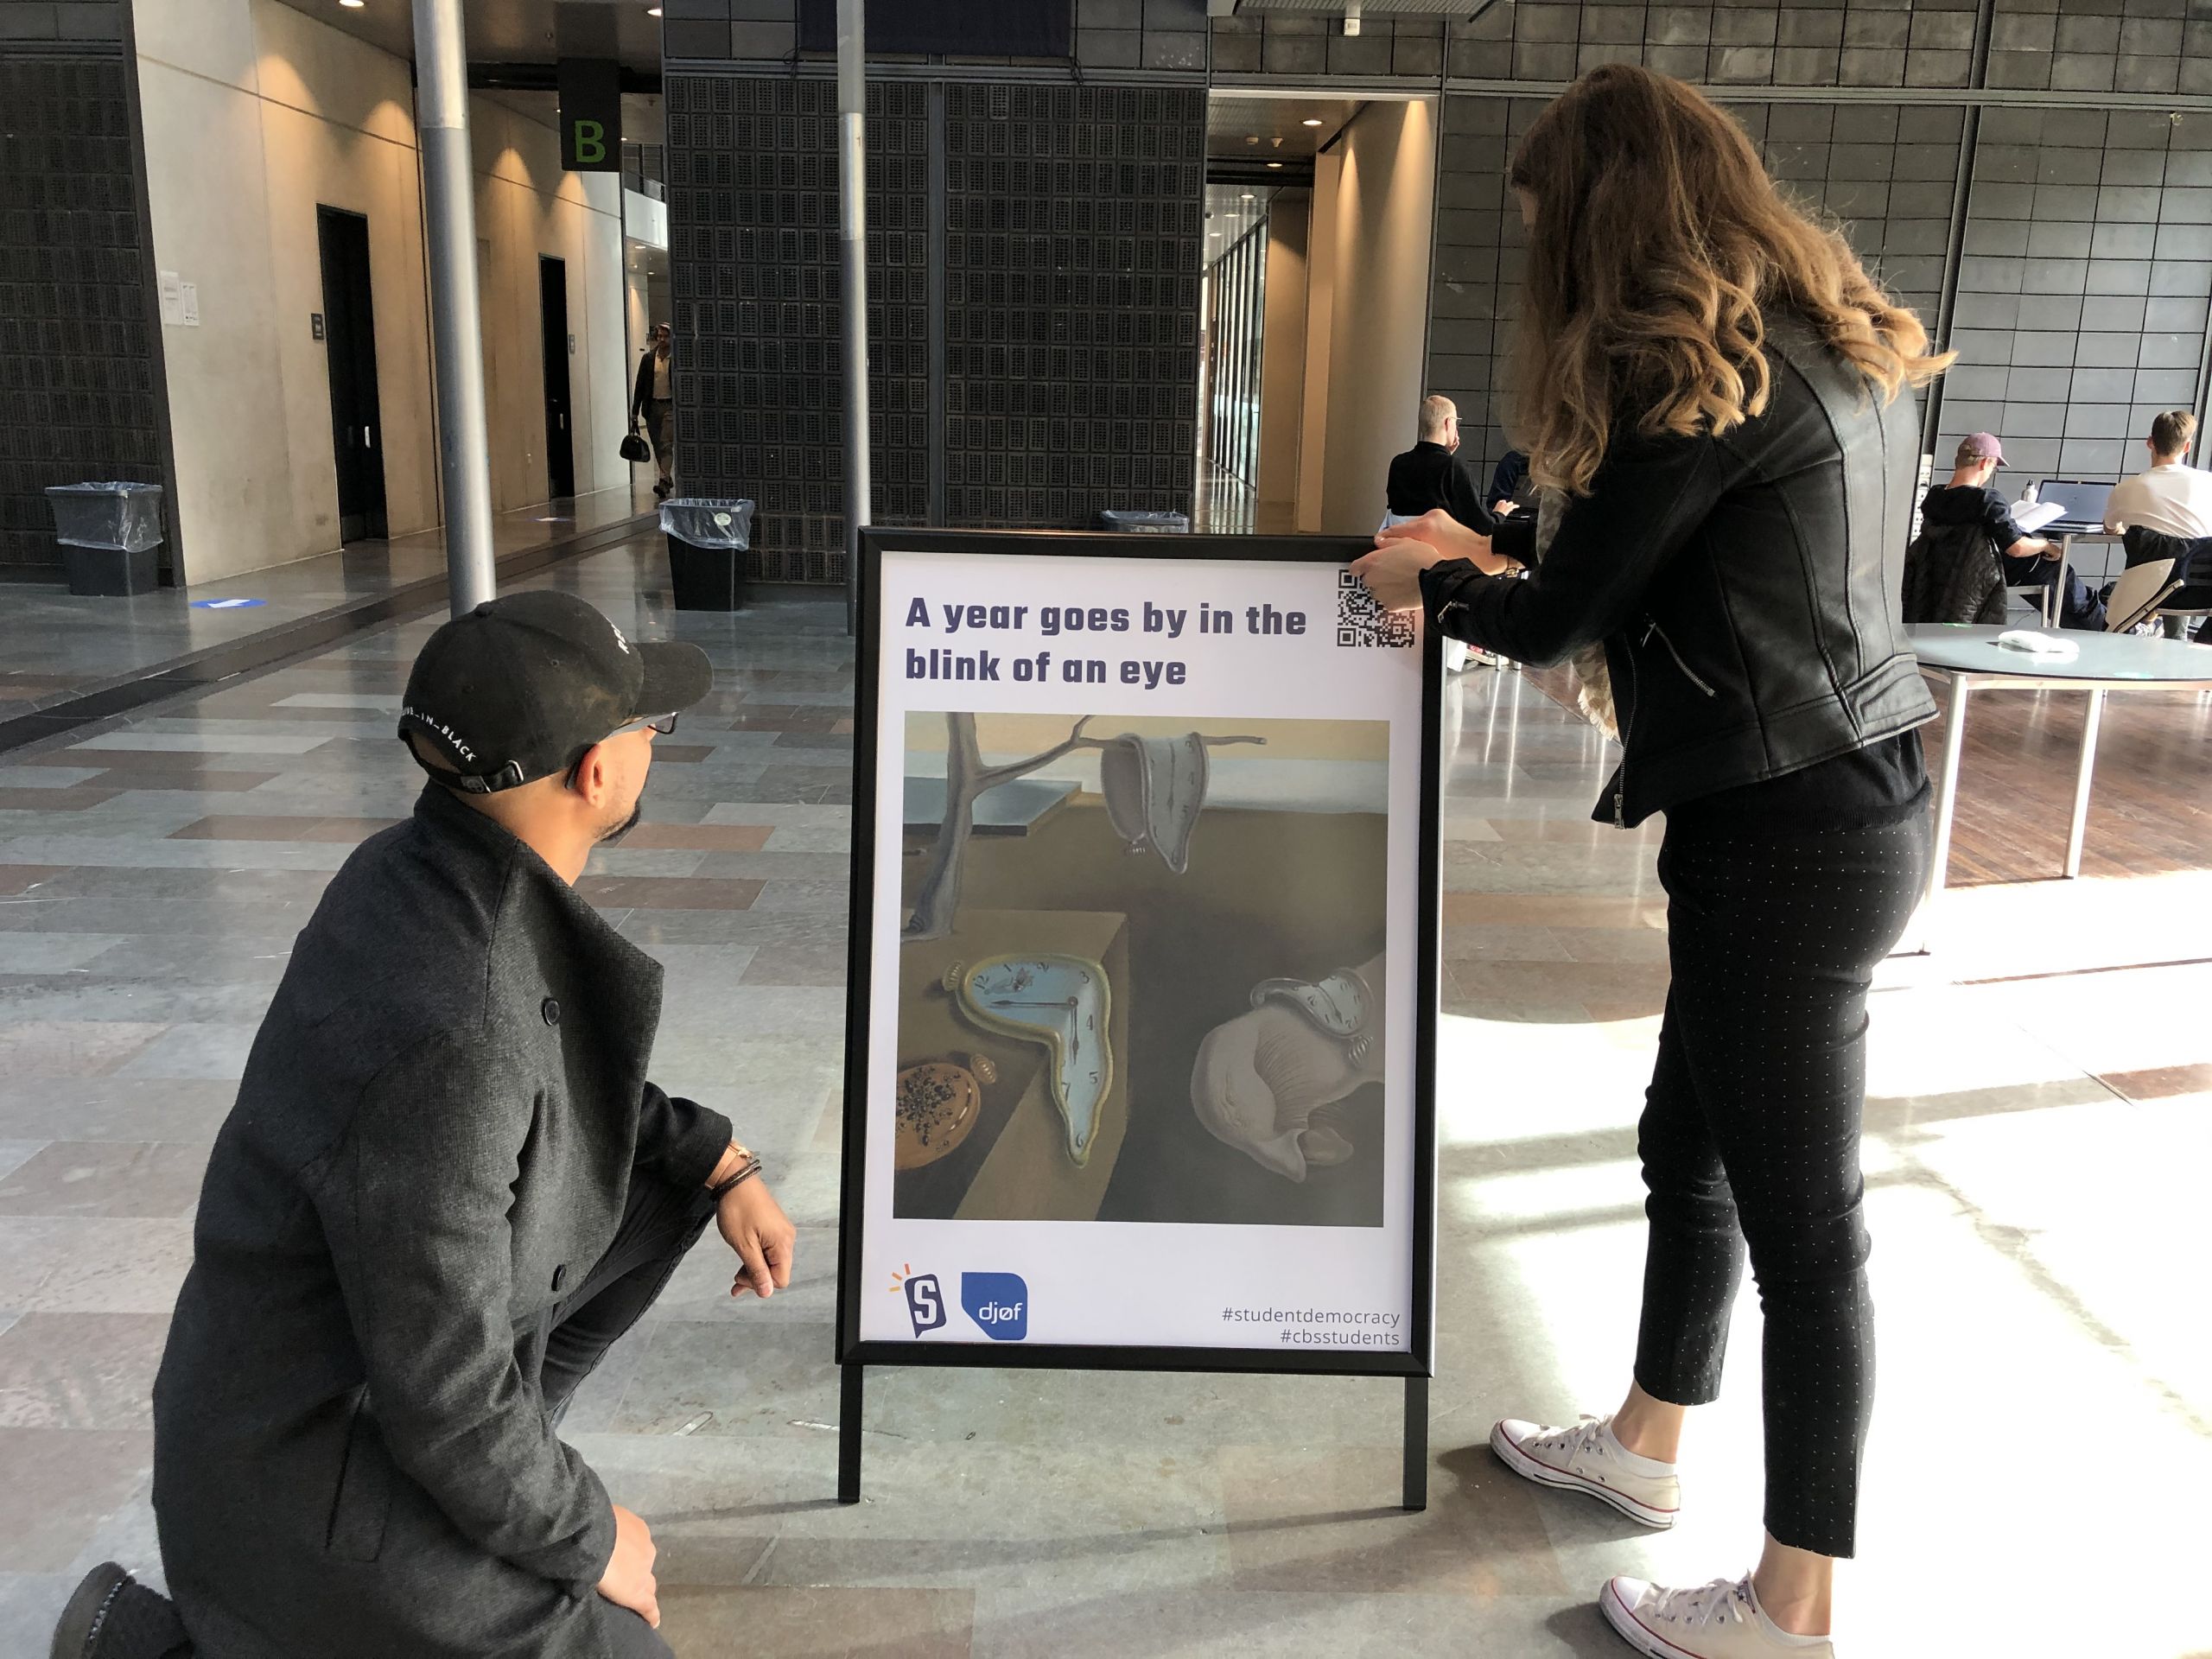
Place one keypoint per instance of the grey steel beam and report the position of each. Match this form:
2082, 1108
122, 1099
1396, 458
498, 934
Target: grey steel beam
852, 238
456, 323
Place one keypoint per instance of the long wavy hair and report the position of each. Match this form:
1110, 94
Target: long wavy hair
1658, 243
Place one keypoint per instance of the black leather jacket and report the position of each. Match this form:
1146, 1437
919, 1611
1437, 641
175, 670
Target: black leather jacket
1745, 587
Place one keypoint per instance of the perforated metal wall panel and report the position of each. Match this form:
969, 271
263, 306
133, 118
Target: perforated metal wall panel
752, 233
1886, 175
1071, 221
78, 381
1074, 221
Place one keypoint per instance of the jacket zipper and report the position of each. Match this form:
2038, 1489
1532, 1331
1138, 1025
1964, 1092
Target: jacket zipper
1688, 673
1620, 773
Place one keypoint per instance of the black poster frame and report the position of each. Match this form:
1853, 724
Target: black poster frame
1417, 1364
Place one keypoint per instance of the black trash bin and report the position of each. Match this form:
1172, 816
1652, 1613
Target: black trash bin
108, 533
1169, 523
707, 541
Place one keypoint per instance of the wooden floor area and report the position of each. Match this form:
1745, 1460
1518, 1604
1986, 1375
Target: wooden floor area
2150, 807
2150, 804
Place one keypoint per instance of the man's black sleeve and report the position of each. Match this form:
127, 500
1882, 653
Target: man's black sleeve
1997, 514
679, 1140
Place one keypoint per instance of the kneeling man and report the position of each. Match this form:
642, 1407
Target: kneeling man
446, 1190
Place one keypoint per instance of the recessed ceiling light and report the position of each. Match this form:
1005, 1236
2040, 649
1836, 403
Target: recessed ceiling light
352, 5
1311, 121
1274, 164
1248, 195
653, 11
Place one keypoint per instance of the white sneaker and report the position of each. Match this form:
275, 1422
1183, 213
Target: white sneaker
1588, 1458
1720, 1620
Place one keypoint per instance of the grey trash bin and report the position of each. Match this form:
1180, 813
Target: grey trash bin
108, 533
1171, 524
707, 540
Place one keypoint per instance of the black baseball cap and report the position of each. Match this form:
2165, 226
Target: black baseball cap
522, 686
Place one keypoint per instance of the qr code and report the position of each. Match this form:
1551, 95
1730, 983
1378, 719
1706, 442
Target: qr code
1361, 622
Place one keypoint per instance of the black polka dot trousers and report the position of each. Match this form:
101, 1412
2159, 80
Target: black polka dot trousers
1750, 1137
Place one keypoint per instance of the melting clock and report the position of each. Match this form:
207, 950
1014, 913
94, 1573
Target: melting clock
1061, 1003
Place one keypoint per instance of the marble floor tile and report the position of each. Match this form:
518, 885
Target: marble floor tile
1326, 1517
80, 1370
816, 1622
133, 1265
205, 1050
72, 1048
61, 1484
105, 1178
757, 1377
112, 1109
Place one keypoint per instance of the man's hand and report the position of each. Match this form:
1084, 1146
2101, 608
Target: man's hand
628, 1581
1507, 508
754, 1225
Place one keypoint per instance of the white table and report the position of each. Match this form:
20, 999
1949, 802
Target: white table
1970, 659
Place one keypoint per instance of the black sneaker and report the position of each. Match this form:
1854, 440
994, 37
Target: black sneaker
112, 1615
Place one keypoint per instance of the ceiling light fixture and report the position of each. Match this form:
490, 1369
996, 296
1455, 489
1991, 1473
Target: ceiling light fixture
653, 11
352, 5
1311, 121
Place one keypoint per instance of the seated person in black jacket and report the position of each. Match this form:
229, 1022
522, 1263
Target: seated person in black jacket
1429, 474
2027, 560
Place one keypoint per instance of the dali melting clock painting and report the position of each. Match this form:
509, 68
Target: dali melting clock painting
1140, 969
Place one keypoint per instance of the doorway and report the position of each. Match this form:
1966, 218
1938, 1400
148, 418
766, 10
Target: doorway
350, 337
560, 442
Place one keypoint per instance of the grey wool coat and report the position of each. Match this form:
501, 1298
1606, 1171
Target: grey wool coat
435, 1133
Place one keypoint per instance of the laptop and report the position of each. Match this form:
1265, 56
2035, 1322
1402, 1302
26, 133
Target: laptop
2080, 506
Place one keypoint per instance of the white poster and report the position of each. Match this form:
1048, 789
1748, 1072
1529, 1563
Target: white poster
1147, 1022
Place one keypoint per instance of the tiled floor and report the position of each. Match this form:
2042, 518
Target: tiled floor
2037, 1140
54, 645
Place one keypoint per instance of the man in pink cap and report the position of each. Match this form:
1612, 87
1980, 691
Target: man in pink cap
2028, 560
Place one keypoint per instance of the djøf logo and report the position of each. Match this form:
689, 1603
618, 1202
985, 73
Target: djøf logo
999, 1302
925, 1301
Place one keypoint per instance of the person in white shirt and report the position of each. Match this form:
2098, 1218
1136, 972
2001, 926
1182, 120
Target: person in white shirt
2173, 497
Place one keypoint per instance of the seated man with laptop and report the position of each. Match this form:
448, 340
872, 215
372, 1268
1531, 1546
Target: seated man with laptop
2165, 512
2027, 560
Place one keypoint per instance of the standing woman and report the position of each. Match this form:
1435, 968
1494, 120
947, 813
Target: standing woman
652, 399
1714, 385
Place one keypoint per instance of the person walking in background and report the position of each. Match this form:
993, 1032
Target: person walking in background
446, 1190
2025, 561
1429, 474
1716, 386
652, 402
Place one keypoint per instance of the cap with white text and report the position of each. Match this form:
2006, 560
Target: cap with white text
522, 686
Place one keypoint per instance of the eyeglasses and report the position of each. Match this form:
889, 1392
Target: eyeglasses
662, 724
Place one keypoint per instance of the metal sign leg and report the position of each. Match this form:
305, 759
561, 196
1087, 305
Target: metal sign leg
1416, 1472
849, 1434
